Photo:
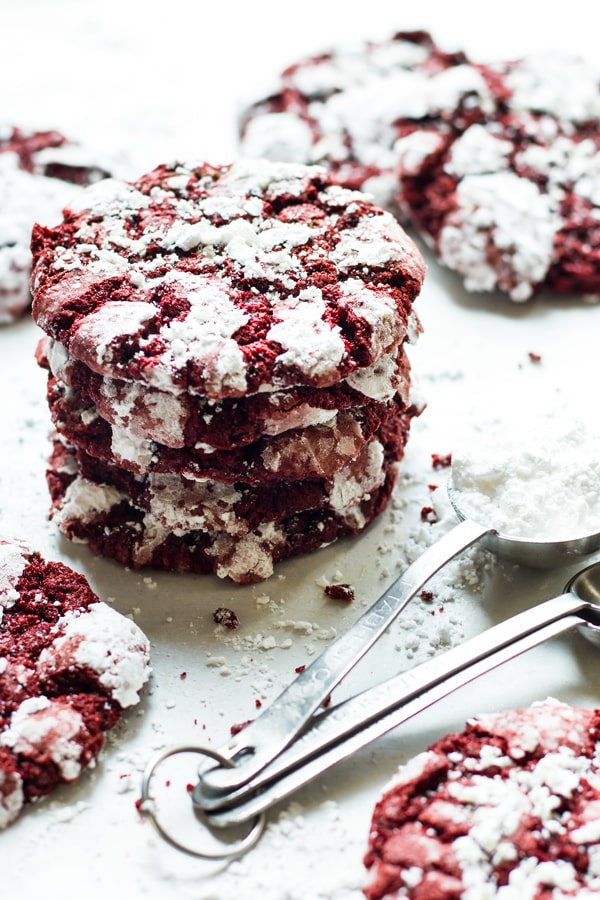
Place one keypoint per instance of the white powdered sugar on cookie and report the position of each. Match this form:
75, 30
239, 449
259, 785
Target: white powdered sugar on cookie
505, 809
489, 161
103, 642
41, 726
11, 797
478, 239
12, 564
557, 83
85, 499
478, 152
340, 109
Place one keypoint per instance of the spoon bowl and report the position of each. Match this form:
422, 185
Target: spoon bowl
527, 551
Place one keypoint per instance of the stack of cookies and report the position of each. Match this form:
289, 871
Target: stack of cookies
227, 368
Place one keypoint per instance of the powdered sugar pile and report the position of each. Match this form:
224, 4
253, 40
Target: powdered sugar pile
543, 483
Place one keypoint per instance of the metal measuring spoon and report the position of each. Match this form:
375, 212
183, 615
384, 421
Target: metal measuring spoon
527, 551
346, 728
253, 748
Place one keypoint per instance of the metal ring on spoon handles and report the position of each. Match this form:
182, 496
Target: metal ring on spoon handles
146, 808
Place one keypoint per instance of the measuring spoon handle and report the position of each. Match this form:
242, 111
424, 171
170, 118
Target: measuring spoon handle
264, 739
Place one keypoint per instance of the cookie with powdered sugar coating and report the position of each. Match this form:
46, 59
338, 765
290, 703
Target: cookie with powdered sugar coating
226, 281
512, 202
506, 808
312, 451
105, 518
181, 419
347, 108
69, 665
39, 172
184, 503
496, 164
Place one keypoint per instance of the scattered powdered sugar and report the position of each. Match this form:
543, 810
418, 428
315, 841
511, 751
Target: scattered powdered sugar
340, 871
433, 622
543, 484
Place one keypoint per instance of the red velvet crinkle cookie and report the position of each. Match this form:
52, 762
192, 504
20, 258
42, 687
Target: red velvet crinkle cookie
313, 451
346, 108
39, 172
225, 281
512, 202
508, 808
497, 165
182, 419
186, 503
69, 665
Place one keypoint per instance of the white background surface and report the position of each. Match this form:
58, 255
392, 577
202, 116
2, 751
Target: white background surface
165, 81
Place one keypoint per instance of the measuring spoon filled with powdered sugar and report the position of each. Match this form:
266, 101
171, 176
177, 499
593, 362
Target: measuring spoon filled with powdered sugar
540, 494
534, 502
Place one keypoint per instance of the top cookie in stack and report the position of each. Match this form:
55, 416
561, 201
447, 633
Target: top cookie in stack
228, 376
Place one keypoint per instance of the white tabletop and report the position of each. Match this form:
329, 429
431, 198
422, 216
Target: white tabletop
167, 81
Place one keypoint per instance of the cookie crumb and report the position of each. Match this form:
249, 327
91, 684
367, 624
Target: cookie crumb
239, 726
226, 617
339, 591
428, 514
441, 461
